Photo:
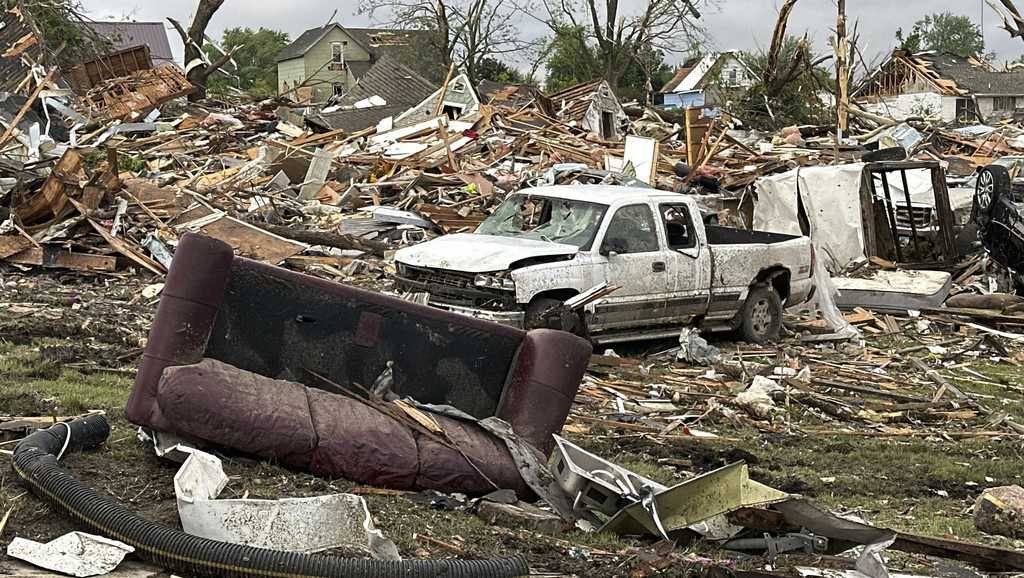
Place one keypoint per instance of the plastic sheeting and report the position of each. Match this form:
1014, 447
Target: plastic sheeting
831, 200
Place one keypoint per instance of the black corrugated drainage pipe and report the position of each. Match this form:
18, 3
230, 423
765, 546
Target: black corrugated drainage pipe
35, 462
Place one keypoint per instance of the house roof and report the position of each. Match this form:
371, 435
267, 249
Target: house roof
574, 102
130, 34
391, 80
696, 72
680, 75
973, 75
355, 119
376, 41
400, 86
950, 75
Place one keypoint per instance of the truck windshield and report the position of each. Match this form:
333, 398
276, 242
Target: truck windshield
545, 219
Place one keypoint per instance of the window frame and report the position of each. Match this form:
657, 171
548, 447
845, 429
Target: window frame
654, 230
685, 209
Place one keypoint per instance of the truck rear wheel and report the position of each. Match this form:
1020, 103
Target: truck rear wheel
761, 317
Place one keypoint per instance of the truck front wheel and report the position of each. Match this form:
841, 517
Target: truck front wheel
761, 317
549, 313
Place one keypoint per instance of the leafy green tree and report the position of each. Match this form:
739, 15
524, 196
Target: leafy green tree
571, 59
649, 63
944, 32
254, 70
62, 25
497, 71
574, 59
795, 96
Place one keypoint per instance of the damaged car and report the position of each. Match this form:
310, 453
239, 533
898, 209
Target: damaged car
998, 206
529, 263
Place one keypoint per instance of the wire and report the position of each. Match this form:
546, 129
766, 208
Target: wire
67, 440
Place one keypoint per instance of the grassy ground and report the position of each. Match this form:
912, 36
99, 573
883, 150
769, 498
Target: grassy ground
925, 486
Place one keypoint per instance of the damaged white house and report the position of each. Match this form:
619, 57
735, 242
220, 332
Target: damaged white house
942, 86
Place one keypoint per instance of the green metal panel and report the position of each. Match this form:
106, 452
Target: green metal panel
696, 500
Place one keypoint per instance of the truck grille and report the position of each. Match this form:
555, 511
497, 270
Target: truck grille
453, 288
921, 215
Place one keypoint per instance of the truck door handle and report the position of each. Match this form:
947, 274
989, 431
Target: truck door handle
658, 266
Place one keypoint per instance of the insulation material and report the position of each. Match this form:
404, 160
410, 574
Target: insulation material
831, 201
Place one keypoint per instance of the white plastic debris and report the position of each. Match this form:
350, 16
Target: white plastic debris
291, 524
695, 349
757, 399
75, 554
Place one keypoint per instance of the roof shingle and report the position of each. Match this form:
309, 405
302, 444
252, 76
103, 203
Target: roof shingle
131, 34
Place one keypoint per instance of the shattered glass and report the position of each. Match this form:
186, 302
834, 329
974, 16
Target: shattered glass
543, 219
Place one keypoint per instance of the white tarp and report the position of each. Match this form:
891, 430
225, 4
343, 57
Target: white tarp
831, 200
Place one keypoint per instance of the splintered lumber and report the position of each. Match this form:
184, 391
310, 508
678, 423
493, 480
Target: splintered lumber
59, 258
127, 250
867, 390
327, 239
12, 244
6, 136
941, 382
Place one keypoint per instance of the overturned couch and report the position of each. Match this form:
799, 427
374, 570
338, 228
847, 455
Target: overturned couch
264, 360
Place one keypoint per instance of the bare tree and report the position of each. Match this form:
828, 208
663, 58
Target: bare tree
463, 32
1013, 21
198, 66
623, 37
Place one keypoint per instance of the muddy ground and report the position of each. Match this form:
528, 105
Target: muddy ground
69, 344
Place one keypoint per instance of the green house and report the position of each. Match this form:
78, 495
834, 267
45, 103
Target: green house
324, 62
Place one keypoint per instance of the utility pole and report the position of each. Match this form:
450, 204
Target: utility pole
842, 75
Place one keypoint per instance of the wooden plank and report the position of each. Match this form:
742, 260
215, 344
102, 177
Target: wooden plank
25, 108
59, 258
12, 244
246, 240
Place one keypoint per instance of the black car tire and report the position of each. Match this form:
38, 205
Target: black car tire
761, 316
540, 306
993, 181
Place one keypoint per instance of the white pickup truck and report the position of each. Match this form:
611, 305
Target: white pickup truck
545, 245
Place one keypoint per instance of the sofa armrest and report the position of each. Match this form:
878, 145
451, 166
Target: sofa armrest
542, 384
193, 291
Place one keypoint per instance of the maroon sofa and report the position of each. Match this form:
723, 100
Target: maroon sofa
245, 355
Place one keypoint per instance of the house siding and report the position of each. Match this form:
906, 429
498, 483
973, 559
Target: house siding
291, 72
322, 78
425, 110
730, 65
905, 106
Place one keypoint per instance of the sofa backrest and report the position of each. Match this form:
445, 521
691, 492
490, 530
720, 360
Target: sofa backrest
286, 325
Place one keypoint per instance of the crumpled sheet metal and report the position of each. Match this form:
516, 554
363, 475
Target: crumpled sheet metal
292, 524
75, 554
695, 501
639, 505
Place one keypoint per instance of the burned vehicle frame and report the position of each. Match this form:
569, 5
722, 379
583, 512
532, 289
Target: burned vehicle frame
893, 229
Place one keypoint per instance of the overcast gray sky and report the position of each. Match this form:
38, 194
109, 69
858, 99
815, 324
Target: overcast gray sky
735, 24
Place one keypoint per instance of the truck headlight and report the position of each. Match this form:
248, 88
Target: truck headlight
495, 282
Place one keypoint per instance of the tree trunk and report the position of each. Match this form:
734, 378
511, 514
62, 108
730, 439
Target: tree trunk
194, 40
